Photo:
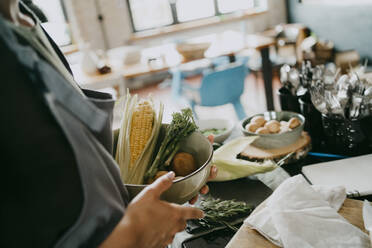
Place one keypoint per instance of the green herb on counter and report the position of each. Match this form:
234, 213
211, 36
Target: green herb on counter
220, 212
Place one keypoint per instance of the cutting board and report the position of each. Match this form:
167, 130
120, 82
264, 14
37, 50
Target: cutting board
246, 237
252, 152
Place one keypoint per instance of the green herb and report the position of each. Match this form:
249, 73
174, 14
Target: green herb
213, 131
182, 126
220, 212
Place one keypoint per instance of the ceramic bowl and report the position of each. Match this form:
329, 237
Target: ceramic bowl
219, 124
273, 141
184, 189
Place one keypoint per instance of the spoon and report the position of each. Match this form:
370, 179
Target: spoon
284, 70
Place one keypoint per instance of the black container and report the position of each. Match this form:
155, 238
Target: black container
313, 124
288, 101
366, 126
343, 136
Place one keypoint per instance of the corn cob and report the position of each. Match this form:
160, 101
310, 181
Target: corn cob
141, 129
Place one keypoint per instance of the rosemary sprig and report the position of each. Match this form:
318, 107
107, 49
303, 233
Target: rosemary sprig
219, 212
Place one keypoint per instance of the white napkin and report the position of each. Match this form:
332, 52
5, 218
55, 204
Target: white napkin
299, 215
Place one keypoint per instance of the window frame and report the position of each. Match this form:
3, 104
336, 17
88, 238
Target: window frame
176, 21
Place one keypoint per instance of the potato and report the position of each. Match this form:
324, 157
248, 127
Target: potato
273, 126
150, 180
158, 174
259, 120
284, 123
183, 164
262, 130
294, 122
252, 127
284, 129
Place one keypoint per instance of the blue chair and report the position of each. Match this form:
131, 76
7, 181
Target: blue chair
179, 75
220, 86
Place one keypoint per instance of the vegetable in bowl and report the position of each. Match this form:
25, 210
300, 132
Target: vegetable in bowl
137, 139
146, 148
182, 126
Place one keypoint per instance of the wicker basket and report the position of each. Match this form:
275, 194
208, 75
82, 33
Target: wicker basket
192, 51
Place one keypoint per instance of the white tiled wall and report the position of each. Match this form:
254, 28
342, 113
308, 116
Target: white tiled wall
116, 26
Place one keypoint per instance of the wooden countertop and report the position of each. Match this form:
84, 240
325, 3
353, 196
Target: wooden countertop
247, 237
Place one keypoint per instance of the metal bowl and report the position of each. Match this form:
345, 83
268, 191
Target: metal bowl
273, 141
184, 189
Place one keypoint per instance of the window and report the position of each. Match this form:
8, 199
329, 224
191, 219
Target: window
186, 10
56, 26
147, 14
227, 6
150, 14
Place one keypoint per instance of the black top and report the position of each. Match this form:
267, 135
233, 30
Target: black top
41, 194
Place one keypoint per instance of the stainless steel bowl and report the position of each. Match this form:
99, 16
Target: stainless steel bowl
184, 189
273, 141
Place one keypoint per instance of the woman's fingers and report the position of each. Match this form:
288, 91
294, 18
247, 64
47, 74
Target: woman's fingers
204, 190
168, 242
213, 172
187, 213
193, 200
211, 138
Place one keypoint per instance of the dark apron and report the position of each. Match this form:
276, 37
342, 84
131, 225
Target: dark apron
104, 194
86, 123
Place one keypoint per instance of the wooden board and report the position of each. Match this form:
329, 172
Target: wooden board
246, 237
253, 152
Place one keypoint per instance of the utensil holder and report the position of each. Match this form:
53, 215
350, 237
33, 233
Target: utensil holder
313, 124
288, 101
343, 136
366, 124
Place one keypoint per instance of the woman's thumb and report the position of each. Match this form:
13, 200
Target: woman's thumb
161, 184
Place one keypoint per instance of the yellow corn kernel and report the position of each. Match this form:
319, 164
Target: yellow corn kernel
141, 129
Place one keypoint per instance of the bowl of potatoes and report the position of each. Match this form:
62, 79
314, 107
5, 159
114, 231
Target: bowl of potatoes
275, 129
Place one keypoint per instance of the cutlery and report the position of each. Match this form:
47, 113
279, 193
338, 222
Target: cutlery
357, 99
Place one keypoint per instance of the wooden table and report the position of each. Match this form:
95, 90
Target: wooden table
98, 81
258, 42
246, 237
120, 73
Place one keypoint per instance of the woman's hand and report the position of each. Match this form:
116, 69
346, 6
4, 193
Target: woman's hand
212, 175
150, 222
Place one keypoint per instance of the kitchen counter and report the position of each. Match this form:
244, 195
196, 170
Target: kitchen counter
254, 192
246, 237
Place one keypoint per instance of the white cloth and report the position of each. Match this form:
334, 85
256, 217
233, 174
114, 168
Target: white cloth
299, 215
